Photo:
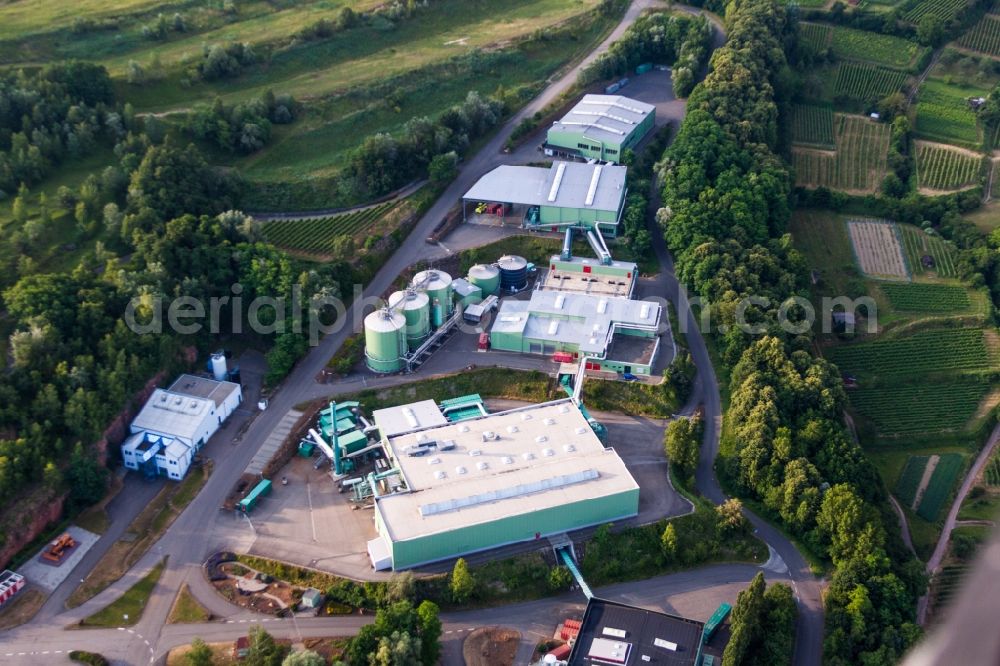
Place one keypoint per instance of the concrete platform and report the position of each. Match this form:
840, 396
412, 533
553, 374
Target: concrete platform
47, 575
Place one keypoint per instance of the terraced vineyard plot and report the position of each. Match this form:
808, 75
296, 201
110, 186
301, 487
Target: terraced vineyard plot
867, 82
851, 44
919, 245
943, 114
918, 354
812, 125
945, 10
944, 168
317, 236
984, 36
923, 408
814, 37
929, 298
857, 165
948, 582
939, 488
909, 480
991, 475
877, 249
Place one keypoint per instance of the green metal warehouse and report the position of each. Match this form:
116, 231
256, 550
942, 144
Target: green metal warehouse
608, 333
601, 127
496, 479
567, 194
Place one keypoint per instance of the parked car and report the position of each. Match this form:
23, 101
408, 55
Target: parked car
629, 377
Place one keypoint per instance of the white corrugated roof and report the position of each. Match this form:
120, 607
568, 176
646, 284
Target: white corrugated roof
605, 118
532, 186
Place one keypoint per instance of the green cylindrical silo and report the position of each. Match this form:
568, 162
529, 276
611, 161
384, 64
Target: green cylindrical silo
415, 307
437, 285
486, 277
385, 340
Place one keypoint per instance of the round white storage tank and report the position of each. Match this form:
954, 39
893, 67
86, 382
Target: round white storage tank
219, 369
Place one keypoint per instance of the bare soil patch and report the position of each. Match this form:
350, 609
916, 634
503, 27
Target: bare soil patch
491, 646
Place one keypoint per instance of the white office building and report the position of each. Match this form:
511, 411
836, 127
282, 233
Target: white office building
176, 422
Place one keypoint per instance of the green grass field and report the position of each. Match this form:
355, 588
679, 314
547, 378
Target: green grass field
858, 164
864, 81
905, 410
940, 486
924, 352
945, 10
917, 244
365, 54
943, 114
909, 479
130, 604
983, 37
812, 126
926, 298
894, 52
943, 168
822, 237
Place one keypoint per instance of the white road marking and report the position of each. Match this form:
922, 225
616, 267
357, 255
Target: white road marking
46, 652
443, 247
312, 518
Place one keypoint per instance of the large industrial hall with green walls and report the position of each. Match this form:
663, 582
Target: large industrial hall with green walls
589, 196
490, 480
600, 127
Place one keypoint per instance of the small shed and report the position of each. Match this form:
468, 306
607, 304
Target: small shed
312, 598
927, 261
843, 320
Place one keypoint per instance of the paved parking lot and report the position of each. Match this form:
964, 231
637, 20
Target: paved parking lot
309, 523
49, 576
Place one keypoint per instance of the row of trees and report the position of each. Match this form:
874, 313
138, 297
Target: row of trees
682, 41
727, 204
383, 162
762, 625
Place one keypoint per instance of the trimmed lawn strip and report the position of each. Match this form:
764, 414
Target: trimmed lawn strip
132, 603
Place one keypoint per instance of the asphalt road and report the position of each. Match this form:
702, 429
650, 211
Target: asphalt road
201, 529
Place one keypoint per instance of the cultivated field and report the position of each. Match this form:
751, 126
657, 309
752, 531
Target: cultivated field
943, 114
320, 236
926, 298
945, 10
984, 37
920, 353
944, 168
909, 480
864, 81
812, 126
857, 165
851, 44
923, 408
814, 37
928, 500
917, 245
940, 486
877, 249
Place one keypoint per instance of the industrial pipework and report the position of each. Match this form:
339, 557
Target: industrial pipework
600, 248
567, 248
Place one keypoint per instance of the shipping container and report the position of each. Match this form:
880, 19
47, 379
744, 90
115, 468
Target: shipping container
250, 501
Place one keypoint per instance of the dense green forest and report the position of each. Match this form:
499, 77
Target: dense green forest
726, 194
